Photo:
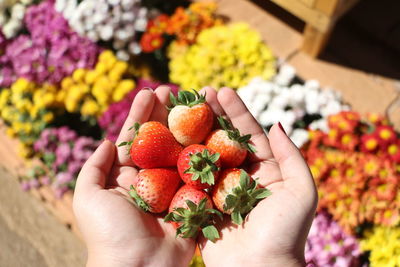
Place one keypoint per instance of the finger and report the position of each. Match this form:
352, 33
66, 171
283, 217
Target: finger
123, 176
295, 172
212, 100
94, 173
243, 120
140, 112
161, 102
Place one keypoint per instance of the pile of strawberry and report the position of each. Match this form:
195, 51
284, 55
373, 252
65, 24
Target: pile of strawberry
205, 161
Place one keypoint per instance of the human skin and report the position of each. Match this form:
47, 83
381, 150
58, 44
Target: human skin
117, 233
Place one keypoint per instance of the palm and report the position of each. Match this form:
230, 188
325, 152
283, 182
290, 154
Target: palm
279, 224
124, 228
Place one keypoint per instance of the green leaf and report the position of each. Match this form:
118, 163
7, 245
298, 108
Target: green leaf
237, 218
192, 206
139, 201
211, 233
169, 217
251, 148
122, 144
261, 193
230, 202
244, 179
202, 204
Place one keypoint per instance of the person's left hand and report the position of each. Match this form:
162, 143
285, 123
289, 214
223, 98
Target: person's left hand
116, 231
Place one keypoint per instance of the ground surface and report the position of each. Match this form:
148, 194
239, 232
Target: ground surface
359, 62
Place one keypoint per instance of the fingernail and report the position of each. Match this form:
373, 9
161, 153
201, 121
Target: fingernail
281, 127
148, 89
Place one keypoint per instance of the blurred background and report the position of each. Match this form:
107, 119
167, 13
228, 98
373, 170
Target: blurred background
328, 70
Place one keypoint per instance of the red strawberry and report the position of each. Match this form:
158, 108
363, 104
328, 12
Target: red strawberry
237, 194
155, 189
190, 119
198, 166
228, 142
154, 146
191, 210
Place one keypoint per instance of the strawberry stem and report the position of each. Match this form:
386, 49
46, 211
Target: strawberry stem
139, 201
194, 218
244, 198
234, 134
187, 98
202, 165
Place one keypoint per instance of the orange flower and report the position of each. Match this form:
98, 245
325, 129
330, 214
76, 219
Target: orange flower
386, 134
394, 151
151, 42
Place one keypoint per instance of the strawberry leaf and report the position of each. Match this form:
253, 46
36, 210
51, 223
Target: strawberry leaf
202, 166
234, 134
187, 98
139, 201
210, 232
237, 218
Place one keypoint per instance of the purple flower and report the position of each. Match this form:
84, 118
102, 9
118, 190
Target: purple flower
45, 180
34, 183
64, 134
64, 178
49, 51
25, 185
63, 152
329, 245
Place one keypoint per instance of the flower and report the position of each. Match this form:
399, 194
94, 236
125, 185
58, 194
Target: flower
383, 245
151, 42
222, 56
63, 153
115, 22
49, 51
328, 245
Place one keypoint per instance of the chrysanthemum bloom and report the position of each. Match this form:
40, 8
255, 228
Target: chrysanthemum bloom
328, 245
223, 56
383, 245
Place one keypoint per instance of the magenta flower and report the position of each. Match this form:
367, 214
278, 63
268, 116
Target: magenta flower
329, 245
49, 51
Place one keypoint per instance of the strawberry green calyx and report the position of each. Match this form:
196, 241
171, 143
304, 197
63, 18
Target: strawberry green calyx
136, 126
244, 198
194, 218
187, 98
139, 201
202, 165
234, 135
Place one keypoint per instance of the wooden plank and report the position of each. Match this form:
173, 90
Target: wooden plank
328, 7
314, 41
309, 3
311, 16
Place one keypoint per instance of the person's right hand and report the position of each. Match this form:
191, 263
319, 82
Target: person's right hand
275, 231
116, 231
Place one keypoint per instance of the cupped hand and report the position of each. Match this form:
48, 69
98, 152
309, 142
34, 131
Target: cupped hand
275, 231
117, 232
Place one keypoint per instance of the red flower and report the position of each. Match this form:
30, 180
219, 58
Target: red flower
386, 134
369, 143
394, 151
151, 42
349, 141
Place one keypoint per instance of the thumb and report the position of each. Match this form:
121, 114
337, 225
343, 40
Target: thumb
294, 169
95, 171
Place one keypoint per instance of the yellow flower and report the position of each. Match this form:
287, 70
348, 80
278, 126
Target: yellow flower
108, 58
21, 85
91, 77
67, 82
124, 87
48, 117
78, 75
223, 56
71, 105
4, 97
10, 132
90, 107
25, 151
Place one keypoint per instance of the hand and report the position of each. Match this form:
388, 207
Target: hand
116, 232
275, 231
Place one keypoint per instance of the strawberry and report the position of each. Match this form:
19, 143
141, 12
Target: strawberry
153, 146
191, 118
190, 210
237, 194
228, 142
155, 189
198, 166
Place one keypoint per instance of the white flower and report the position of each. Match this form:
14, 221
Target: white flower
93, 35
134, 48
312, 84
18, 11
299, 137
114, 2
11, 28
285, 76
60, 5
122, 55
106, 32
321, 124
